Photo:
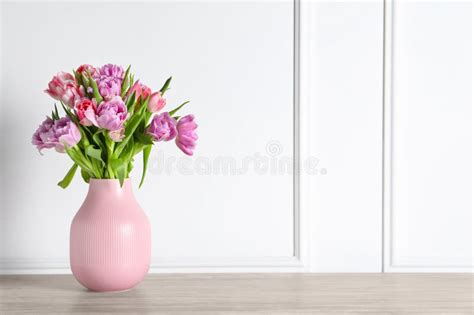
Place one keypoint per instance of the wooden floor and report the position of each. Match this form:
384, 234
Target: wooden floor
246, 293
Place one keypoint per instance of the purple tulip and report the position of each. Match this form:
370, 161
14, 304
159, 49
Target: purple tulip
109, 81
186, 139
109, 87
162, 127
66, 133
44, 137
112, 114
112, 71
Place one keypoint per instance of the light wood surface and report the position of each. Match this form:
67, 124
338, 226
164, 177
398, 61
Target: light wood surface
246, 293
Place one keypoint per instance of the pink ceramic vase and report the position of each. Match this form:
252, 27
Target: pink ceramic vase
110, 243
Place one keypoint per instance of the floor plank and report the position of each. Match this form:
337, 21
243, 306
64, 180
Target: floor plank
246, 293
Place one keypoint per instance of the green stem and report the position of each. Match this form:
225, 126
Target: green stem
97, 167
88, 162
110, 144
79, 162
138, 147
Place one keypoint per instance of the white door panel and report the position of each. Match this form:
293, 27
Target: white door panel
429, 214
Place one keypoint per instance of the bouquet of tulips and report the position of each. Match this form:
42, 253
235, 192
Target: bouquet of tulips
109, 119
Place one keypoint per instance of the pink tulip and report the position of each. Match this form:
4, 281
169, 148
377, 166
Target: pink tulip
186, 139
111, 115
156, 103
86, 111
85, 68
63, 87
140, 90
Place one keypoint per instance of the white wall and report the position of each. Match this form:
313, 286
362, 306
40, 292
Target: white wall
239, 77
378, 189
346, 129
429, 137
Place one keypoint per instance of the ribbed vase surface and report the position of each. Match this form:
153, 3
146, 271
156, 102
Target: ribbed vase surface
110, 241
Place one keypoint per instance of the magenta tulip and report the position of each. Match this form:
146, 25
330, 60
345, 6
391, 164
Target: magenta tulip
112, 71
162, 127
109, 81
187, 136
112, 114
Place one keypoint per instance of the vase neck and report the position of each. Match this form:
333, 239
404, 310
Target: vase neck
110, 187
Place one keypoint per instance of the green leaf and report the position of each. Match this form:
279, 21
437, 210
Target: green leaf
98, 140
94, 153
166, 86
177, 108
85, 135
146, 155
70, 114
97, 96
85, 81
131, 103
137, 148
85, 176
142, 138
130, 149
69, 176
126, 82
127, 152
78, 77
143, 105
121, 171
120, 168
55, 114
56, 111
78, 159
